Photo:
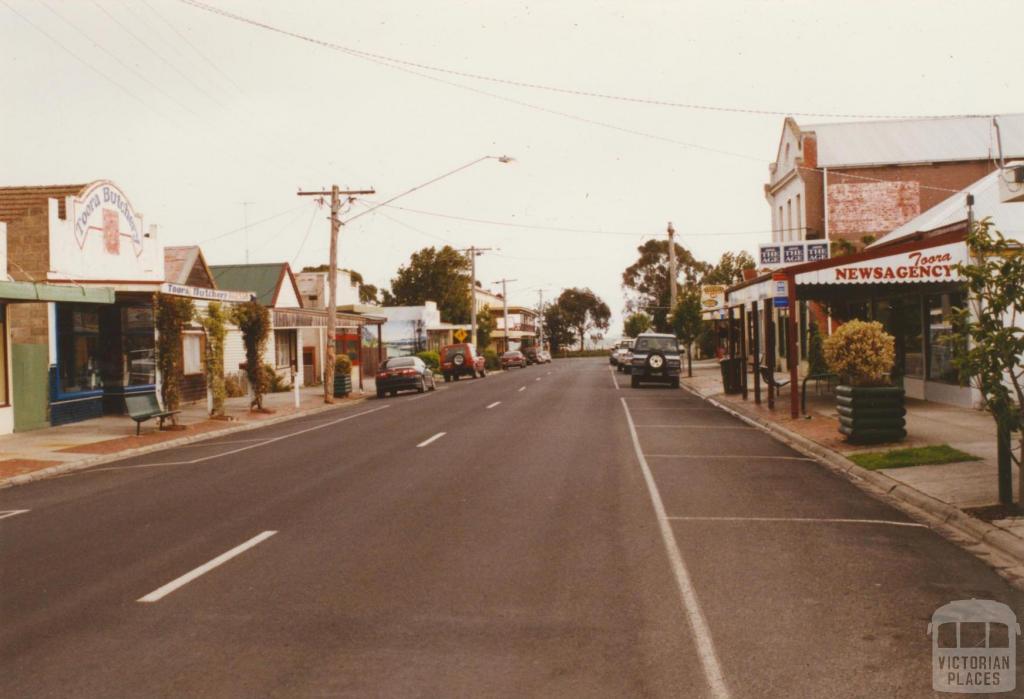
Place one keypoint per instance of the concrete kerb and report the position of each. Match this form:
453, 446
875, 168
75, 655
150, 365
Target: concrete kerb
1005, 550
62, 469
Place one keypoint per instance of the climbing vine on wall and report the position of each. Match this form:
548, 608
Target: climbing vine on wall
172, 314
253, 319
214, 324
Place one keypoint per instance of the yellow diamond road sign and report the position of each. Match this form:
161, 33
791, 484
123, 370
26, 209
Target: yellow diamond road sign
460, 335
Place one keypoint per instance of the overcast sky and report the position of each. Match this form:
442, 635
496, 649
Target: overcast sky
193, 114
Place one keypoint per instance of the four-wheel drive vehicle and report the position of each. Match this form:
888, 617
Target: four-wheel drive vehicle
403, 374
513, 358
461, 360
655, 358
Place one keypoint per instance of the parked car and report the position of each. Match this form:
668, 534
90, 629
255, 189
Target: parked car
621, 354
531, 354
513, 358
404, 374
543, 357
461, 360
655, 358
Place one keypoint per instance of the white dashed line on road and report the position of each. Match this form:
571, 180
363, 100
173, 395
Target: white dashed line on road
805, 520
494, 404
436, 437
160, 593
688, 595
4, 514
538, 378
522, 389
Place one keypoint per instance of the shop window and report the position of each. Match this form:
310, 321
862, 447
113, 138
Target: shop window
78, 356
284, 348
939, 309
4, 400
138, 335
192, 353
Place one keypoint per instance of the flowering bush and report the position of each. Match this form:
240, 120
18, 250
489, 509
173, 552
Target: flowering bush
861, 352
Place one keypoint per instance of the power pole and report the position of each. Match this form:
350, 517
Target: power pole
504, 302
332, 280
473, 252
245, 225
672, 266
540, 319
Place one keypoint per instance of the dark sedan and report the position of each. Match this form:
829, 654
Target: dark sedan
404, 374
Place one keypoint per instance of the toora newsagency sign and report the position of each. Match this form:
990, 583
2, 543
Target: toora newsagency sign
937, 264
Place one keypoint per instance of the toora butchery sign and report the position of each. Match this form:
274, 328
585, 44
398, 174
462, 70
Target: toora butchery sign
936, 264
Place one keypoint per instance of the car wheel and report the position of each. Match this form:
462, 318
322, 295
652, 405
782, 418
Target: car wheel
634, 382
433, 384
675, 382
447, 378
455, 378
483, 373
380, 393
422, 387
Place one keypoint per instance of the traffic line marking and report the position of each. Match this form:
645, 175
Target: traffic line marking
810, 520
614, 380
538, 378
728, 456
522, 389
4, 514
495, 403
688, 595
161, 592
705, 427
436, 437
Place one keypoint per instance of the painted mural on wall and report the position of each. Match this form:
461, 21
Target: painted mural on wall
103, 238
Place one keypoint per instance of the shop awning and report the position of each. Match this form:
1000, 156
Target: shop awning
61, 293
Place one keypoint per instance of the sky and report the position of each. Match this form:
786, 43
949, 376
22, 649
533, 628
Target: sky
211, 125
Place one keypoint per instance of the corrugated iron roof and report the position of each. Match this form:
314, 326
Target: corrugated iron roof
15, 202
859, 144
261, 279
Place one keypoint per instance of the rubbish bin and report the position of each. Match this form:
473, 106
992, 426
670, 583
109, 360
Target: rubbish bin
732, 375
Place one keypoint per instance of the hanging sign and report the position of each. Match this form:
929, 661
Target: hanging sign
780, 291
202, 293
777, 255
935, 264
712, 296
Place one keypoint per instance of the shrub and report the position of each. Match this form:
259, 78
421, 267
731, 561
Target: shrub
816, 363
172, 314
214, 327
491, 360
343, 364
432, 359
861, 352
275, 382
253, 319
234, 385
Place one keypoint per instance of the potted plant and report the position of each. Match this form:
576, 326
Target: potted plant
342, 376
870, 407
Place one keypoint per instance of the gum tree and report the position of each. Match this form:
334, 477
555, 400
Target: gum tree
687, 323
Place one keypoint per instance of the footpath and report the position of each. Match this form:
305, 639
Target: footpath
37, 454
959, 498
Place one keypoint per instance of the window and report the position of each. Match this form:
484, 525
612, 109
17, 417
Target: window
139, 345
799, 219
193, 353
789, 218
940, 335
4, 400
78, 360
284, 348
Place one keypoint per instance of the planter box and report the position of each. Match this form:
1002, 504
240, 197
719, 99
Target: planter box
342, 385
871, 414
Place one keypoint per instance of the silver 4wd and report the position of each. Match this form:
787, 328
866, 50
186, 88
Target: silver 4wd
655, 359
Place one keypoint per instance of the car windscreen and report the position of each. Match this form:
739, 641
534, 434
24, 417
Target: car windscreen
511, 355
398, 362
664, 344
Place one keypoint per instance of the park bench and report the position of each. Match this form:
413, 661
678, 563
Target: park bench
144, 406
772, 381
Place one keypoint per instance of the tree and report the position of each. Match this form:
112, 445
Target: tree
557, 329
440, 275
687, 322
171, 313
214, 326
648, 279
636, 323
368, 294
729, 269
253, 319
988, 339
583, 310
485, 325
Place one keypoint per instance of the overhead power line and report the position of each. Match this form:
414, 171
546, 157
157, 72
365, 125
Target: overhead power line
554, 88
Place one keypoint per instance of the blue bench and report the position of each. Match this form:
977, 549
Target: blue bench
144, 406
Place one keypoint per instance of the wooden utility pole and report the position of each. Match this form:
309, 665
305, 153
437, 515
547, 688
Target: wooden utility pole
540, 319
504, 302
332, 280
473, 252
672, 267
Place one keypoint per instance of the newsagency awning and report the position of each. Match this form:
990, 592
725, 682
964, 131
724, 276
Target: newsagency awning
920, 266
60, 293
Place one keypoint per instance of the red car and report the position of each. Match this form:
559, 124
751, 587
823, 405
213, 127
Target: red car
461, 360
513, 358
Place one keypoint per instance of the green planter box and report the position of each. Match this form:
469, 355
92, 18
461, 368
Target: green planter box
871, 414
342, 385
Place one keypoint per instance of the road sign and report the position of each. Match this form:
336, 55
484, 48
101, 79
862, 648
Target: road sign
780, 291
460, 335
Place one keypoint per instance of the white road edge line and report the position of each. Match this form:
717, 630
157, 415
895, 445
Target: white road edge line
614, 380
698, 624
729, 456
494, 404
436, 437
4, 514
706, 427
161, 592
808, 520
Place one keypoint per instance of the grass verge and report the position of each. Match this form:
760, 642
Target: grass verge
914, 456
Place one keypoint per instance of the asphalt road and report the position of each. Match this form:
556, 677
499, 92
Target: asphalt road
565, 536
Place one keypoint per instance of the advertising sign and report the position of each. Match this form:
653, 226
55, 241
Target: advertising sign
775, 255
780, 291
937, 264
712, 296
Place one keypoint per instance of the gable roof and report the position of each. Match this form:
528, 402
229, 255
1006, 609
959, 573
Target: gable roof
180, 261
15, 202
906, 141
264, 280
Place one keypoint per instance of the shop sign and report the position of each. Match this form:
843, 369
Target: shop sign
780, 291
203, 294
936, 264
712, 296
793, 253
